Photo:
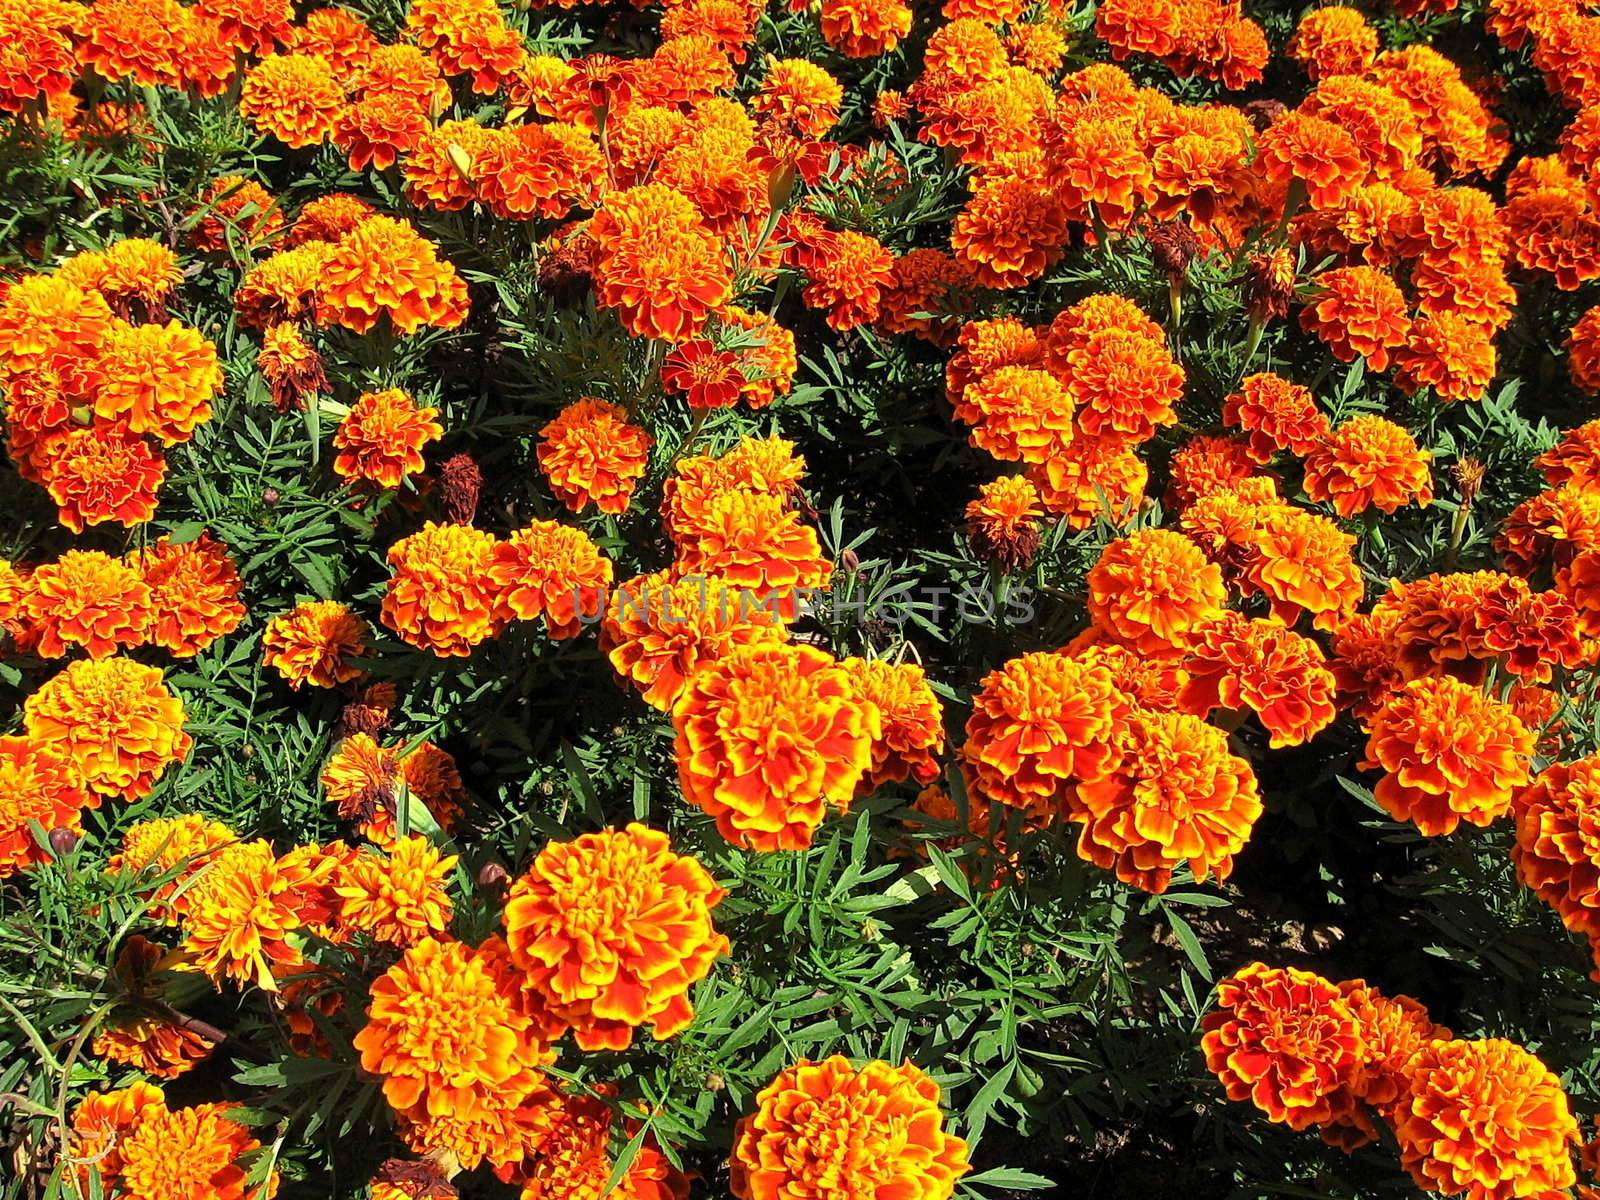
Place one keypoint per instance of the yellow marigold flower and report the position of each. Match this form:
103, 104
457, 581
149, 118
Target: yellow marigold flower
85, 599
550, 571
1041, 723
1176, 796
1367, 462
655, 943
448, 1033
1151, 588
591, 454
244, 910
1485, 1119
189, 1153
380, 439
829, 1131
183, 844
385, 267
657, 631
1449, 753
294, 97
400, 898
314, 643
911, 731
440, 597
194, 593
38, 783
767, 737
162, 378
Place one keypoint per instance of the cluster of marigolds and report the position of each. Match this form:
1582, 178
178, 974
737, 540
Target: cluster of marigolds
679, 207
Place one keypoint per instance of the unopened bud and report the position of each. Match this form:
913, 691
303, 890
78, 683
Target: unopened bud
460, 160
270, 496
62, 841
492, 877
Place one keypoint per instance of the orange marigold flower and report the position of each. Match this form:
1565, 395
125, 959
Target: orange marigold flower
1278, 415
100, 474
171, 849
1552, 528
1151, 588
314, 643
38, 783
1125, 384
552, 572
657, 631
1392, 1030
663, 942
440, 597
85, 599
1206, 465
134, 269
1368, 462
767, 354
1017, 414
1303, 562
378, 128
1432, 623
150, 1044
1003, 523
384, 266
50, 325
657, 263
254, 26
534, 170
911, 733
1363, 662
1091, 479
800, 94
1575, 459
848, 282
101, 1124
328, 218
469, 39
238, 211
189, 1152
1485, 1119
1333, 41
142, 39
1449, 754
1173, 794
1530, 633
1040, 724
828, 1130
295, 97
38, 59
283, 286
242, 915
399, 898
1313, 153
766, 466
1557, 851
1235, 663
363, 780
592, 454
380, 439
1286, 1040
1583, 351
754, 541
767, 737
1449, 353
291, 366
1359, 310
864, 28
194, 593
1010, 232
161, 378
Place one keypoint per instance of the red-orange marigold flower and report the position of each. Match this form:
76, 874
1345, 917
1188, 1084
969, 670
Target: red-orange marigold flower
1277, 414
38, 783
1449, 753
657, 264
88, 600
1234, 662
295, 97
190, 1152
1368, 462
864, 28
1313, 152
440, 597
1583, 350
1304, 563
1359, 311
1017, 414
1010, 232
1557, 851
194, 593
1003, 523
237, 211
551, 572
655, 943
1333, 41
1449, 353
1151, 588
160, 378
383, 266
911, 733
380, 439
314, 643
592, 454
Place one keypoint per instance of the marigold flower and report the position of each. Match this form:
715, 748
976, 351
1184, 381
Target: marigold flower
383, 266
1003, 523
238, 211
1234, 662
411, 1179
768, 737
1010, 232
662, 944
1125, 385
1553, 528
291, 366
1557, 851
363, 782
1368, 462
194, 593
766, 466
767, 354
657, 263
1449, 353
187, 1152
1313, 153
399, 898
150, 1044
848, 282
1278, 415
1360, 311
1091, 479
243, 912
911, 736
753, 541
1583, 351
1303, 562
1333, 41
161, 378
85, 599
48, 324
1392, 1030
134, 269
828, 1130
1040, 724
314, 643
1151, 588
282, 287
1450, 754
552, 572
1531, 634
101, 1124
380, 439
1575, 459
38, 59
173, 849
141, 39
1287, 1040
294, 97
1206, 465
657, 631
1363, 662
1017, 414
800, 94
1485, 1119
864, 28
440, 597
328, 218
592, 453
38, 783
